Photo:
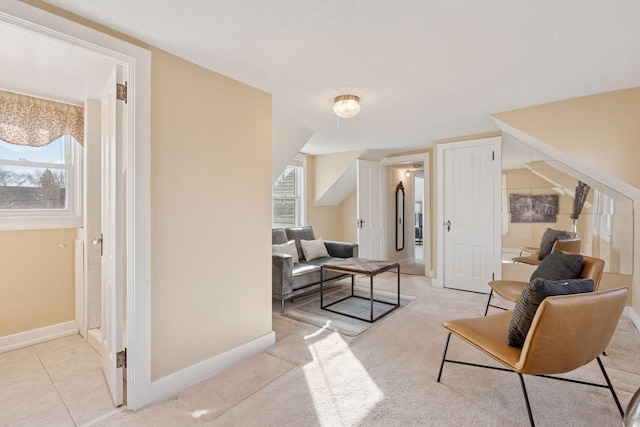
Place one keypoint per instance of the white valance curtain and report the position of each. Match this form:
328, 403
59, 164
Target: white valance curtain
25, 120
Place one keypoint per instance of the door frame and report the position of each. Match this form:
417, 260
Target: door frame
137, 63
410, 159
438, 280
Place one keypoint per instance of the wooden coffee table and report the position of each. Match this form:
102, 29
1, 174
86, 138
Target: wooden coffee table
354, 266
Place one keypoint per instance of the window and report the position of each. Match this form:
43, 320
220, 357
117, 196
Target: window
603, 215
38, 183
288, 196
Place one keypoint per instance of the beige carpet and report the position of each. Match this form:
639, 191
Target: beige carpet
415, 269
311, 313
386, 376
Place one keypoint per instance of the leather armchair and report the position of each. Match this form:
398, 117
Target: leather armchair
567, 332
510, 290
570, 246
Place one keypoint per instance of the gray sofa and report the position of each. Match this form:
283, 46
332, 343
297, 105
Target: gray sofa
289, 279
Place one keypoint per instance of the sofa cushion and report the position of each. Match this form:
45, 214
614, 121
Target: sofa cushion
288, 248
300, 233
559, 266
304, 268
278, 236
309, 272
313, 249
548, 239
532, 296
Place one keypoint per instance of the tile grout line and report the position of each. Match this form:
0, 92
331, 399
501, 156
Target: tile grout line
56, 388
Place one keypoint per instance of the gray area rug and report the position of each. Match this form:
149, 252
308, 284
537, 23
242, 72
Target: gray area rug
311, 312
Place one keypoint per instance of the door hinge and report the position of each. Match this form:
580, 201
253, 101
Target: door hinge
121, 92
121, 359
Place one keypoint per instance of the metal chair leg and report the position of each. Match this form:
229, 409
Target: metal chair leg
486, 310
526, 400
610, 387
444, 355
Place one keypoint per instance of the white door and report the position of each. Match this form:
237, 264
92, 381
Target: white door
371, 210
112, 228
469, 192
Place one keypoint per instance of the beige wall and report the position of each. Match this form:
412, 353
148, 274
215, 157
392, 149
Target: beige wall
327, 221
37, 285
601, 130
349, 214
211, 199
329, 168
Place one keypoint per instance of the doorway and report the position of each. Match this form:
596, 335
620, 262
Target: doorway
468, 232
136, 263
415, 168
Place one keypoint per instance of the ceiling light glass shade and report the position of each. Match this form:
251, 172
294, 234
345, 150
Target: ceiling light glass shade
346, 106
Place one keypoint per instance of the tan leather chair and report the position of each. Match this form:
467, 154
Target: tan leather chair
566, 333
535, 250
510, 290
571, 246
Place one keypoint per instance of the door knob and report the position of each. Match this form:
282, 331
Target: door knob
448, 224
98, 240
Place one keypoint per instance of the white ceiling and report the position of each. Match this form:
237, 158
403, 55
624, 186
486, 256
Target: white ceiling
424, 69
41, 66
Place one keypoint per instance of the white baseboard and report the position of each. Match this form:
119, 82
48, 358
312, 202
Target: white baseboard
94, 338
634, 317
192, 375
35, 336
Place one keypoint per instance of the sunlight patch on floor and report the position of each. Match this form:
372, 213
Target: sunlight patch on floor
343, 393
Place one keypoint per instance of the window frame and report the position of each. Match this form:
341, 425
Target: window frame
35, 219
299, 164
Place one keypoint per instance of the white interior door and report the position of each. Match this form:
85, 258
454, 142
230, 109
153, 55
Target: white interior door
371, 210
469, 193
112, 227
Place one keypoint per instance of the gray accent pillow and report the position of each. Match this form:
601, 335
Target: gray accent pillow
532, 296
559, 266
278, 236
548, 239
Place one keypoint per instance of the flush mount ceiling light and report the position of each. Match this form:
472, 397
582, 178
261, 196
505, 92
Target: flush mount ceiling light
346, 106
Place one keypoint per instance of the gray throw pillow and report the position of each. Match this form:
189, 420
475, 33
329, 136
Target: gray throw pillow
532, 296
559, 266
548, 239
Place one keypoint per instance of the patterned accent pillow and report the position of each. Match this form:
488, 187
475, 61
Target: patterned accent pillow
548, 239
559, 266
313, 249
288, 248
533, 295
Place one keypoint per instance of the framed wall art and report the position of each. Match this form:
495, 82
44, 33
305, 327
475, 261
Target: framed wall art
533, 207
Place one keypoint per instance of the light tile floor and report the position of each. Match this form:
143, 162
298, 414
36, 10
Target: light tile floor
55, 383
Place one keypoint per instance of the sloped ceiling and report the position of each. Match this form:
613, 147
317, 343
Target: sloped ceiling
424, 70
